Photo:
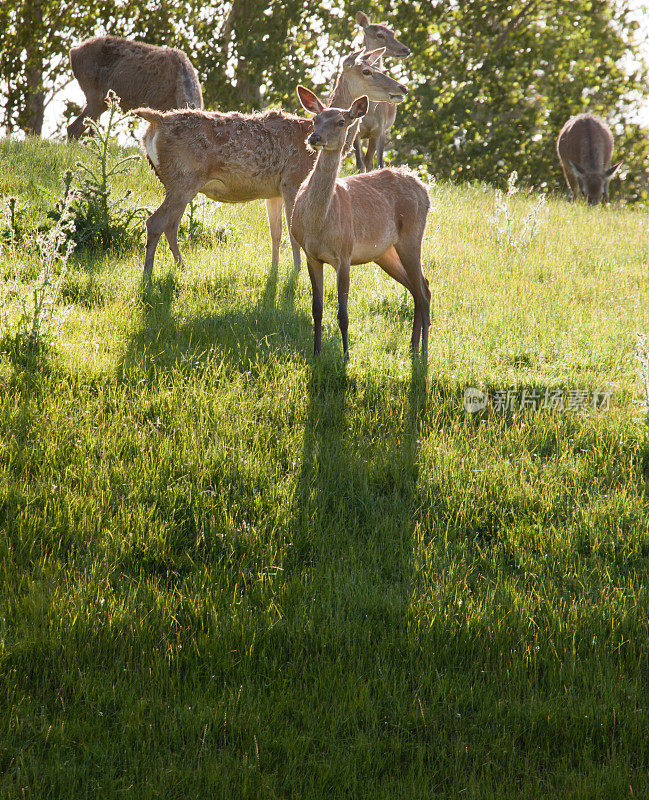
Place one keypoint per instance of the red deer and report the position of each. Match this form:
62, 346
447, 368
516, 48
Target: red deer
379, 216
376, 124
236, 157
584, 147
140, 75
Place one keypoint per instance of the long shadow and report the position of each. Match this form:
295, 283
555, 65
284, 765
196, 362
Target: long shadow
238, 335
348, 646
344, 477
356, 650
352, 533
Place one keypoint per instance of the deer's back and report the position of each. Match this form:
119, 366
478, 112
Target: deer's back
586, 140
140, 74
368, 214
231, 157
391, 192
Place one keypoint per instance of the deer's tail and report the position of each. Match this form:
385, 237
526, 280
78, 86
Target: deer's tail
154, 117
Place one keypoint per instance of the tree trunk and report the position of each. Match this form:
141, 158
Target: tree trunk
236, 29
249, 90
35, 105
32, 116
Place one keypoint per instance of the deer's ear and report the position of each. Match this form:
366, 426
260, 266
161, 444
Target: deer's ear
309, 100
576, 168
612, 170
350, 60
359, 107
362, 19
373, 56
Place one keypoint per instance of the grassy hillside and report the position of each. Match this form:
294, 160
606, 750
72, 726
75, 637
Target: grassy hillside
228, 570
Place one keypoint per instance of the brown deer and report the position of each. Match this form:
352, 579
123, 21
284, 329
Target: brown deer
379, 216
376, 124
140, 75
584, 147
236, 157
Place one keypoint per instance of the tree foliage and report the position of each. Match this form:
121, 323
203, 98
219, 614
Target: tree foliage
492, 81
35, 39
495, 81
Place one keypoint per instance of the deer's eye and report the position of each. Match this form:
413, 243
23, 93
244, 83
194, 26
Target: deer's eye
380, 36
341, 122
367, 72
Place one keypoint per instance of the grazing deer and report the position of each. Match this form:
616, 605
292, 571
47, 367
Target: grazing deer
140, 75
376, 124
236, 157
379, 216
584, 147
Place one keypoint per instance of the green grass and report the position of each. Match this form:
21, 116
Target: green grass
228, 570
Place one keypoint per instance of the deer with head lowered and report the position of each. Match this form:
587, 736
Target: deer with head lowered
584, 147
140, 74
236, 157
379, 216
380, 117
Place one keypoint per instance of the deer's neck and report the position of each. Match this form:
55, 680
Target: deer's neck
320, 187
341, 96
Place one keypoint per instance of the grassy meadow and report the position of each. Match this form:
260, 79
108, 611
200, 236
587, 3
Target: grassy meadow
229, 570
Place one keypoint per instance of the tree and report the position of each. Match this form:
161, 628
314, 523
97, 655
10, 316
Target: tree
491, 81
35, 39
254, 52
495, 81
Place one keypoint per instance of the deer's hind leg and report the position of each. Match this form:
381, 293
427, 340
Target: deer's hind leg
400, 262
409, 253
391, 263
274, 211
171, 234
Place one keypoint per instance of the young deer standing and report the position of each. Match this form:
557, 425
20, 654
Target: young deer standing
140, 74
379, 216
235, 157
584, 147
376, 124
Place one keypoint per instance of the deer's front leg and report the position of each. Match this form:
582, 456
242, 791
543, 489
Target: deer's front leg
315, 273
343, 294
380, 147
288, 195
358, 150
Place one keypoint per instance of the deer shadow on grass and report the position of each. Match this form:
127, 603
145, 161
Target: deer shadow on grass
239, 335
348, 559
355, 507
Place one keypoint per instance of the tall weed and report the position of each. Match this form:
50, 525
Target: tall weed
102, 219
513, 230
28, 312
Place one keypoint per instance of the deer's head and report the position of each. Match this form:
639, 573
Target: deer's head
378, 34
364, 78
330, 124
594, 184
